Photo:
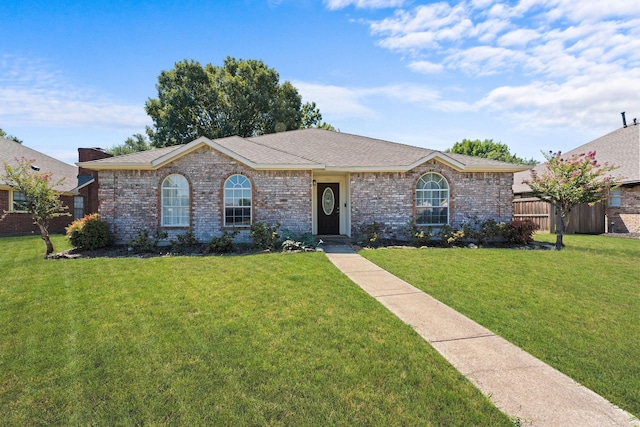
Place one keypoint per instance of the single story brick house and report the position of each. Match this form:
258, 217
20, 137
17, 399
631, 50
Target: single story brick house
76, 190
310, 180
621, 213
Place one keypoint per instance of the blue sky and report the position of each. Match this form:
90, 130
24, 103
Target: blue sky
537, 75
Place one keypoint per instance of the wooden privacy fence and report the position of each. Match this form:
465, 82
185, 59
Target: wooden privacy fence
583, 219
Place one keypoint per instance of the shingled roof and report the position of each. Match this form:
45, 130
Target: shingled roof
619, 148
316, 149
11, 151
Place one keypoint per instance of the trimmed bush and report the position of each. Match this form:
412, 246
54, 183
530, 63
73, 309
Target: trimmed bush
371, 234
222, 244
145, 242
419, 236
184, 243
265, 236
89, 232
297, 241
521, 231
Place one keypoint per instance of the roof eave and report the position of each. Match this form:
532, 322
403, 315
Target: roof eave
80, 187
630, 182
508, 168
71, 192
443, 158
115, 166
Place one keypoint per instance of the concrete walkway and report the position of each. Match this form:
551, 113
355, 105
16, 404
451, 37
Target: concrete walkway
516, 382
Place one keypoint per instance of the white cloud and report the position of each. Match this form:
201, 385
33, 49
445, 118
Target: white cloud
335, 100
594, 10
484, 60
423, 18
519, 37
32, 95
426, 67
363, 4
487, 31
416, 40
579, 101
358, 102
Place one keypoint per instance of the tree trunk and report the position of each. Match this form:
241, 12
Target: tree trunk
560, 231
47, 241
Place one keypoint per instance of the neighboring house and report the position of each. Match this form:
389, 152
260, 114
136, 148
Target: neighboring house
309, 180
76, 191
621, 213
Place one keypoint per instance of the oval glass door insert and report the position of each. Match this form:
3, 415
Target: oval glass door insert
328, 201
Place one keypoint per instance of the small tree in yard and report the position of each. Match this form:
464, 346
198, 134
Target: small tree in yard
41, 201
567, 182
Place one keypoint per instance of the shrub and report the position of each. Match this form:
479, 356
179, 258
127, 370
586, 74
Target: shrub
521, 231
479, 231
222, 244
184, 242
419, 236
301, 244
145, 242
89, 232
450, 235
372, 234
297, 242
265, 236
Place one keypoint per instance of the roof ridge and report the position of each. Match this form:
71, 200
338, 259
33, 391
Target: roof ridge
279, 149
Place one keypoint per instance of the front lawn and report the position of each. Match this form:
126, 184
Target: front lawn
577, 309
256, 340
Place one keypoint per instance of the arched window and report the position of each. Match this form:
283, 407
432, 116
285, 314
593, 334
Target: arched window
432, 200
237, 201
175, 201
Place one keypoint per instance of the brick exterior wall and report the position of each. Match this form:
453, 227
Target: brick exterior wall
389, 198
21, 224
131, 201
626, 217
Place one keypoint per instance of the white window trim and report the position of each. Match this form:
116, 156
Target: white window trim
224, 203
162, 206
448, 205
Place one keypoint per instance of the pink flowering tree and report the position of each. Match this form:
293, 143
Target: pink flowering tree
567, 182
41, 201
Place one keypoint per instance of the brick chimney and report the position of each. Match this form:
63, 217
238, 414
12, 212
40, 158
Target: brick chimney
90, 192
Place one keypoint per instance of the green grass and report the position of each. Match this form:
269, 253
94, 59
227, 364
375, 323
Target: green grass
577, 309
256, 340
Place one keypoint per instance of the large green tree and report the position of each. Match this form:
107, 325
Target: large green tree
133, 144
489, 150
242, 97
312, 118
568, 181
41, 201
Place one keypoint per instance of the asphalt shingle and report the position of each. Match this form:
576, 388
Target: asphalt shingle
10, 151
619, 148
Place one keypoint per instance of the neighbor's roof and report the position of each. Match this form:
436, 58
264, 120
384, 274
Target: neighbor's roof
11, 151
619, 148
316, 149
